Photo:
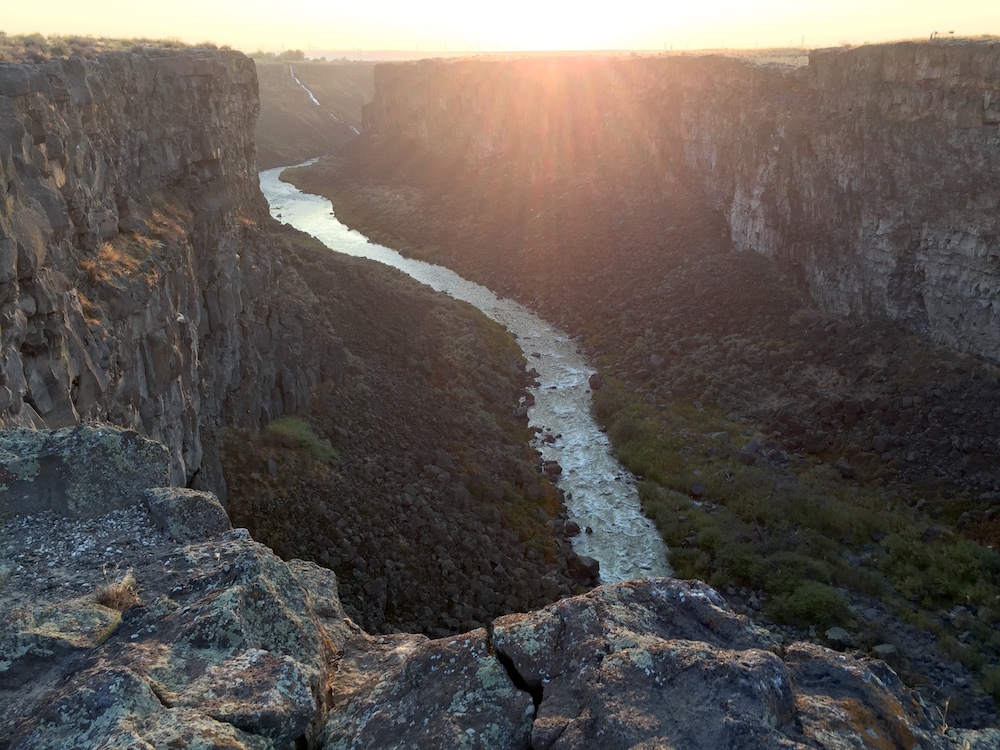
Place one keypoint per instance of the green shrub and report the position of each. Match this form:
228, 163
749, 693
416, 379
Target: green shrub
991, 683
297, 431
690, 562
811, 603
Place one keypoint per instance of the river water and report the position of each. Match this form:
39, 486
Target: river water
600, 492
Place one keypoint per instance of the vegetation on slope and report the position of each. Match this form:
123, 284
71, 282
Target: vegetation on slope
411, 476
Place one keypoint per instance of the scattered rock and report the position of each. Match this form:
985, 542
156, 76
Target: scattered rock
186, 515
844, 468
551, 469
885, 651
839, 638
583, 567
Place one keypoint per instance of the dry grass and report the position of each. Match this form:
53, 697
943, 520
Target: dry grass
119, 592
168, 223
37, 48
112, 261
91, 313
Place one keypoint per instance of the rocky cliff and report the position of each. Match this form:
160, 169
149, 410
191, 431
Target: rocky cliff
147, 287
196, 635
873, 171
136, 283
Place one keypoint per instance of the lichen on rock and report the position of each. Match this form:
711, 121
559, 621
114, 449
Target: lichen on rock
186, 515
77, 471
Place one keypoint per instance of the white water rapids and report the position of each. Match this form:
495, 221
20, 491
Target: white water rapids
601, 493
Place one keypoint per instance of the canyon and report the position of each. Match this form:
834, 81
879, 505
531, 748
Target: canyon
315, 112
808, 442
156, 330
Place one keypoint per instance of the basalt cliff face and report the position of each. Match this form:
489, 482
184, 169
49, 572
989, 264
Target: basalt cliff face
873, 171
136, 284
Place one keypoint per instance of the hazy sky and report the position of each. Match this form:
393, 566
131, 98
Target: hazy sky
507, 25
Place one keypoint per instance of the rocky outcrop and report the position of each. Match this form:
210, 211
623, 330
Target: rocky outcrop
872, 170
61, 471
137, 285
226, 645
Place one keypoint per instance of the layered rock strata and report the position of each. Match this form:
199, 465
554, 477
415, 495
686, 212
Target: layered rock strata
137, 285
873, 171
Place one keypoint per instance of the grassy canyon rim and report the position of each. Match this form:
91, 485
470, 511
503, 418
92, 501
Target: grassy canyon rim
821, 493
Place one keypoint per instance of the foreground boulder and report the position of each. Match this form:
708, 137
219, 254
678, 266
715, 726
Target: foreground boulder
186, 515
647, 663
77, 471
236, 653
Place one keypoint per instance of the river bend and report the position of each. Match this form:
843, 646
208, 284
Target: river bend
601, 494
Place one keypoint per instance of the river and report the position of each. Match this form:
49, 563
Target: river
601, 493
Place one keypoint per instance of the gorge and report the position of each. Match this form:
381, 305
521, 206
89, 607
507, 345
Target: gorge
618, 536
155, 320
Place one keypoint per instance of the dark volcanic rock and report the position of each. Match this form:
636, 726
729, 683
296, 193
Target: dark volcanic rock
74, 470
186, 515
137, 283
231, 646
584, 568
655, 663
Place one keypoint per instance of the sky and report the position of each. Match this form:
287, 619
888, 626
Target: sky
510, 25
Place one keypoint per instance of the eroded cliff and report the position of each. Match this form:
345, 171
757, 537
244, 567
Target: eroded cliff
872, 170
136, 283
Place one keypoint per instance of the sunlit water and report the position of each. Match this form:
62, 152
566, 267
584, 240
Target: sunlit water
602, 493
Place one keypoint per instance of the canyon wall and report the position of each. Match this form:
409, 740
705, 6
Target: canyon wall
873, 171
137, 284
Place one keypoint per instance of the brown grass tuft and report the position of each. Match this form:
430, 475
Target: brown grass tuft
120, 593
